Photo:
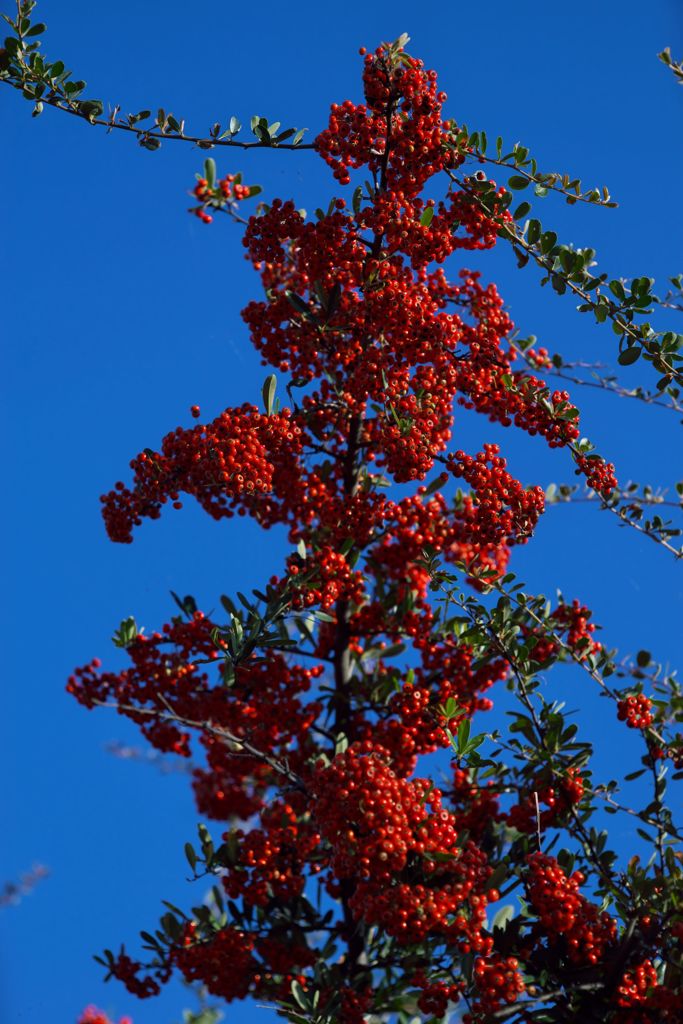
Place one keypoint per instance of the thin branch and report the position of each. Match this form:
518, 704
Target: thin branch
511, 233
601, 383
278, 766
58, 102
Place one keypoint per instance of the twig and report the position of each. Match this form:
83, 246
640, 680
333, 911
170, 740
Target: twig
219, 731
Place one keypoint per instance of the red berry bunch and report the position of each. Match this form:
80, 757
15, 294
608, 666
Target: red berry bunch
395, 838
539, 357
91, 1015
573, 622
556, 797
476, 806
498, 983
222, 464
599, 474
565, 916
224, 965
323, 579
216, 196
128, 971
504, 509
436, 995
403, 113
644, 999
266, 705
368, 815
354, 1005
271, 862
635, 711
569, 623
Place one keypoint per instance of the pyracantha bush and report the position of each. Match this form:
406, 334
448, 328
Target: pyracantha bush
354, 878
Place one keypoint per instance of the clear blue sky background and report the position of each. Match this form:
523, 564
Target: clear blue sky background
120, 311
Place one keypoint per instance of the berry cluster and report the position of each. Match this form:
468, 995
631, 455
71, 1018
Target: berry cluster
564, 915
224, 965
398, 843
323, 579
476, 807
556, 797
229, 188
644, 1000
635, 711
129, 972
598, 473
398, 133
503, 508
436, 995
570, 624
164, 686
498, 982
91, 1015
223, 464
271, 861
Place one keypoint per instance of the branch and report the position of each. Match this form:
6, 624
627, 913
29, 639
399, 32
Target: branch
558, 368
568, 269
228, 737
676, 66
43, 82
628, 506
474, 146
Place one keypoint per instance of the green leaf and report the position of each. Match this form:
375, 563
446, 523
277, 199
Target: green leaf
617, 289
504, 915
427, 217
518, 182
629, 355
91, 109
296, 300
436, 484
187, 605
126, 633
300, 996
206, 843
210, 171
499, 875
262, 134
191, 855
463, 734
548, 240
341, 743
522, 210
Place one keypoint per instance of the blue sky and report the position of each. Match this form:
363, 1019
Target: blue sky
120, 311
